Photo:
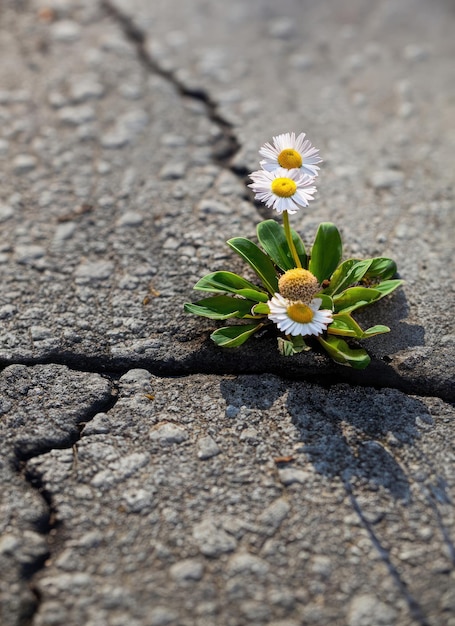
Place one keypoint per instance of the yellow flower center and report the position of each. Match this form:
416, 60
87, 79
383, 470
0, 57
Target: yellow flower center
284, 187
299, 312
298, 284
289, 159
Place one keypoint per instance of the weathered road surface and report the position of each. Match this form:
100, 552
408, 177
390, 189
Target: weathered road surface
150, 478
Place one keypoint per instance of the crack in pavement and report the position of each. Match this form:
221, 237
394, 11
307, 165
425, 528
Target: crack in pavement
355, 504
58, 426
53, 525
228, 145
377, 376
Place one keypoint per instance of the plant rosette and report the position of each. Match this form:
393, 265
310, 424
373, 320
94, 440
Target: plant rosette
303, 293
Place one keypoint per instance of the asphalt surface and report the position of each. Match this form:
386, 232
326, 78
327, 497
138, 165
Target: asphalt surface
149, 477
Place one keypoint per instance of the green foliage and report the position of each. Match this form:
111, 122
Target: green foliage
233, 336
326, 251
261, 309
272, 238
387, 286
293, 345
223, 282
340, 352
348, 273
221, 307
253, 294
258, 260
346, 287
353, 271
381, 267
344, 325
327, 302
354, 297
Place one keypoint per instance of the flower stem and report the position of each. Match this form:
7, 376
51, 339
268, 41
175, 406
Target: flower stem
287, 230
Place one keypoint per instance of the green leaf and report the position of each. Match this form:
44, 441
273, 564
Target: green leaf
223, 282
327, 302
261, 309
326, 251
233, 336
299, 344
344, 325
272, 238
258, 260
253, 294
348, 273
382, 267
355, 297
220, 307
340, 352
287, 347
376, 330
387, 286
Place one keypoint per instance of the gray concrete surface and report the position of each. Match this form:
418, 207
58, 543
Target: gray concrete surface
149, 477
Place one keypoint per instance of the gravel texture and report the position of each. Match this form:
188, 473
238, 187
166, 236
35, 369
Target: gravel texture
227, 487
320, 506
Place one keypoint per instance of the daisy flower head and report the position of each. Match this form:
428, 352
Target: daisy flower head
298, 284
290, 152
297, 318
282, 189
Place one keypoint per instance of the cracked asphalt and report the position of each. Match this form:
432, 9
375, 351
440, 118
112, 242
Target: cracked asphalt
149, 478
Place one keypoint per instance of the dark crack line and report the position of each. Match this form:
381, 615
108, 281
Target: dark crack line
51, 526
377, 376
414, 607
228, 145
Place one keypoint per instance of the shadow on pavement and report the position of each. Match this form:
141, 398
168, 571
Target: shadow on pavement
352, 434
393, 312
345, 432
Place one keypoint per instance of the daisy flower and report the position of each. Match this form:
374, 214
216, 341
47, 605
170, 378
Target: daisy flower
297, 318
282, 189
290, 152
298, 284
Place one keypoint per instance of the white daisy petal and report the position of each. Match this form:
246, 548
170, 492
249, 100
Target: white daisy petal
268, 166
283, 313
303, 149
283, 189
294, 329
268, 151
301, 143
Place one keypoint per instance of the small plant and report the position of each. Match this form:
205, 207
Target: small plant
302, 293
